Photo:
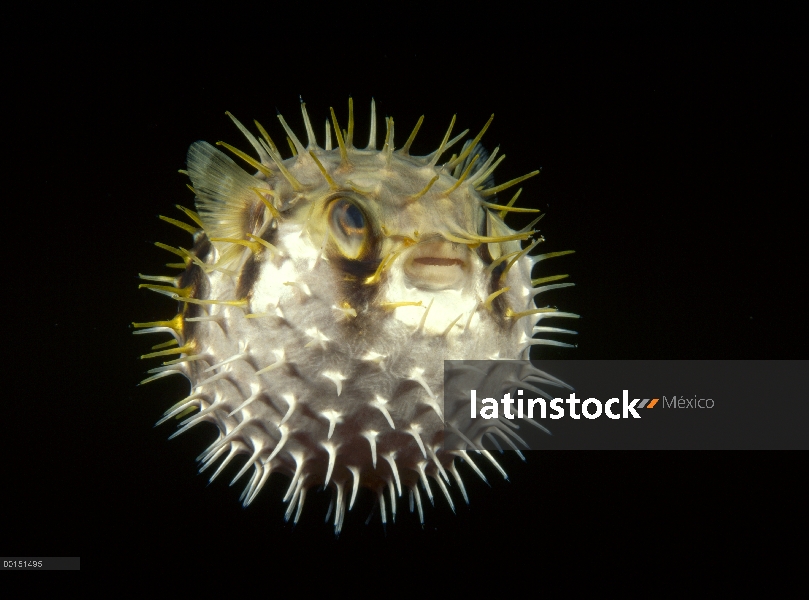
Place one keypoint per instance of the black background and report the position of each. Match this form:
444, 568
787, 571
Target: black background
672, 151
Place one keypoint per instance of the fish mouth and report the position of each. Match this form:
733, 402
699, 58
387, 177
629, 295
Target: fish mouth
438, 261
437, 265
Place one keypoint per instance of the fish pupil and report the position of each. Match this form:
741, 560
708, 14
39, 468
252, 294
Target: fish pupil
351, 219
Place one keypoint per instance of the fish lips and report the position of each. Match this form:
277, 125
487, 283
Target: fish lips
437, 265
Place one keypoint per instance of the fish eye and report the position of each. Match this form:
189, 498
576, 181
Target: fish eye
349, 227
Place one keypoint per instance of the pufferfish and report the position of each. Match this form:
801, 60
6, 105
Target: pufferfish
322, 295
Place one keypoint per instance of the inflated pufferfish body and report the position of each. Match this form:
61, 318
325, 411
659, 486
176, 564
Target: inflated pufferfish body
321, 297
